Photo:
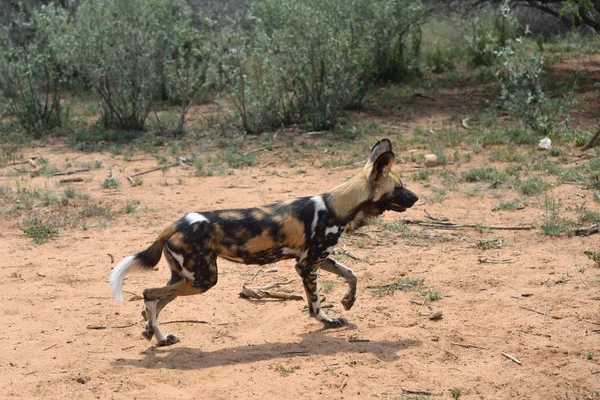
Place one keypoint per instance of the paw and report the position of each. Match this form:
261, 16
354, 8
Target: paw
348, 302
167, 341
336, 323
148, 333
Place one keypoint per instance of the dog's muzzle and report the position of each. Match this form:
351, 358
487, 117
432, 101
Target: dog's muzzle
402, 199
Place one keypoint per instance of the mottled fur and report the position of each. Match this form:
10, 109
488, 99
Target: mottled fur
305, 229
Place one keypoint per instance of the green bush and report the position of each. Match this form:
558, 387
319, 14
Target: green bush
32, 69
305, 61
121, 47
488, 34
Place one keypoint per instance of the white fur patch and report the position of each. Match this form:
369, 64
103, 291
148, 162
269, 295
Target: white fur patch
193, 218
187, 274
332, 229
319, 206
117, 276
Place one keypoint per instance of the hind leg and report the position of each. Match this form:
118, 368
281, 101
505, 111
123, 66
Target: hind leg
175, 277
204, 273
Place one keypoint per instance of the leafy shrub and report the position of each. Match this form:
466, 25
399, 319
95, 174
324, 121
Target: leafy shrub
439, 59
488, 34
120, 47
306, 61
32, 69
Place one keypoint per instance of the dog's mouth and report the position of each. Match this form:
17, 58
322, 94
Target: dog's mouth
396, 207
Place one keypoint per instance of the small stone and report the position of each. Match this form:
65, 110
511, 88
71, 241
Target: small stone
437, 314
82, 379
431, 160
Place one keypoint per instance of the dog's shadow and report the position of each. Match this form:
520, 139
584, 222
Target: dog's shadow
313, 343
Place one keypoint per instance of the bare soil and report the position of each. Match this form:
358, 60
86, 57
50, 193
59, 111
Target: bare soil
63, 336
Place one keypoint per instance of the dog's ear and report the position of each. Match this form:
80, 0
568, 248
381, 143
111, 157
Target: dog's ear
382, 166
382, 146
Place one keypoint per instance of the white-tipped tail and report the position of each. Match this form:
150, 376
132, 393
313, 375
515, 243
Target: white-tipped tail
117, 276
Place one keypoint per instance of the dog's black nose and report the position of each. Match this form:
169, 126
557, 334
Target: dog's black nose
408, 198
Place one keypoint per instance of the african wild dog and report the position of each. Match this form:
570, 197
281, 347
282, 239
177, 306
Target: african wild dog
306, 229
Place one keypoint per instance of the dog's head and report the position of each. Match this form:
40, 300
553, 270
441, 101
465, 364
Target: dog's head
385, 189
388, 191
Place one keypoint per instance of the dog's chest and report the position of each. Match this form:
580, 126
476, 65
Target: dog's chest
325, 233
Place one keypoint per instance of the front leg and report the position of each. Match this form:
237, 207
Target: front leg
338, 269
309, 280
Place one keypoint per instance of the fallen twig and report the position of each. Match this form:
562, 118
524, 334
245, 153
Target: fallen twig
358, 340
96, 327
185, 321
512, 358
30, 161
343, 385
49, 347
467, 345
591, 322
265, 292
434, 218
464, 124
416, 391
452, 225
124, 326
485, 260
540, 312
112, 258
70, 180
70, 171
452, 354
145, 172
590, 143
586, 230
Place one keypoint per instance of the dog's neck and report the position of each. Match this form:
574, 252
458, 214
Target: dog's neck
347, 198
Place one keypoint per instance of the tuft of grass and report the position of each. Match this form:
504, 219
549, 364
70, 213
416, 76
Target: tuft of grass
431, 295
131, 206
283, 370
422, 175
327, 286
401, 284
589, 356
587, 216
517, 204
40, 231
533, 186
553, 224
487, 174
238, 160
493, 243
111, 183
456, 393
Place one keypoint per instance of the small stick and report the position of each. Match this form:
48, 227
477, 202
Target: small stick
539, 312
467, 345
112, 258
254, 276
452, 225
359, 340
185, 321
432, 217
253, 151
590, 143
512, 358
124, 326
70, 171
591, 322
464, 123
49, 347
416, 391
70, 180
29, 161
97, 327
452, 354
343, 385
586, 230
145, 172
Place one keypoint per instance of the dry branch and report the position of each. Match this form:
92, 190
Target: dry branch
355, 165
452, 225
185, 321
265, 292
467, 345
144, 172
512, 358
30, 161
416, 391
586, 230
540, 312
71, 180
590, 143
70, 171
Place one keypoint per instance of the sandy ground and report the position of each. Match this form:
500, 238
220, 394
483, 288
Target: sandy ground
53, 294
